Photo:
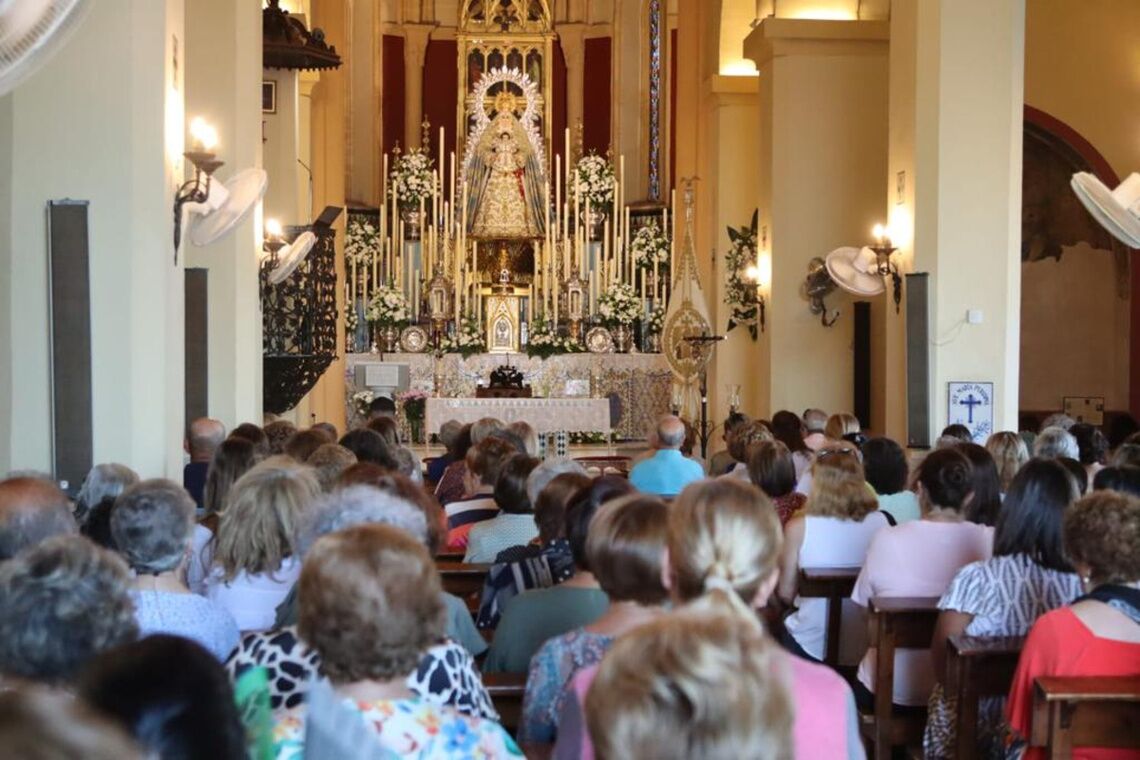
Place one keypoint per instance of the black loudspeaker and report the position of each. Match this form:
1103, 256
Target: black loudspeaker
70, 298
918, 360
197, 345
862, 365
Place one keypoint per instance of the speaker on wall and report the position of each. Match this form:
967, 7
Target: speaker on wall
69, 296
862, 364
197, 344
918, 360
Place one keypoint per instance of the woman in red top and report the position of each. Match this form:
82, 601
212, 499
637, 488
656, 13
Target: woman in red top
1098, 634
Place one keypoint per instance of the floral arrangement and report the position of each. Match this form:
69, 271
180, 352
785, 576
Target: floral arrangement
650, 247
545, 341
619, 306
468, 341
350, 323
655, 325
413, 178
594, 180
413, 403
362, 401
361, 239
744, 306
388, 307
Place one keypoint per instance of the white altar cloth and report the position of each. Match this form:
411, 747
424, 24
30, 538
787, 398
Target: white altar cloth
545, 415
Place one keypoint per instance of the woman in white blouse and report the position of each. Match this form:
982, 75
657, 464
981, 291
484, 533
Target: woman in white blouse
255, 562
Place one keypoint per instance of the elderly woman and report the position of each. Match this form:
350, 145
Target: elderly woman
255, 556
446, 673
451, 484
745, 437
624, 546
1027, 576
103, 483
1099, 633
788, 429
514, 524
1056, 443
839, 521
526, 433
370, 608
887, 471
771, 468
1010, 454
152, 523
485, 461
61, 603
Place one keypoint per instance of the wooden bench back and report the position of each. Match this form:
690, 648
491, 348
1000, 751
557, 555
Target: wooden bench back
897, 622
506, 690
464, 581
977, 667
1085, 712
833, 584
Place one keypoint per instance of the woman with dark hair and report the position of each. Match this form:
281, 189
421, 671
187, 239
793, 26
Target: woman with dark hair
532, 617
452, 484
1093, 447
169, 693
1027, 576
514, 524
1124, 479
921, 558
788, 429
985, 497
255, 435
369, 446
887, 471
772, 470
1079, 473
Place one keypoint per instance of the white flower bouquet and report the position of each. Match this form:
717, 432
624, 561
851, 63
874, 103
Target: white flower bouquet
619, 306
361, 239
594, 180
650, 247
468, 341
655, 325
362, 400
412, 178
741, 298
388, 307
544, 341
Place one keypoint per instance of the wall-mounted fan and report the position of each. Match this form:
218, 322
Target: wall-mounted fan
817, 286
31, 31
291, 256
226, 205
856, 270
1118, 211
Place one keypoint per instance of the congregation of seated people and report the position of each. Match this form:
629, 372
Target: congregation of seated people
306, 594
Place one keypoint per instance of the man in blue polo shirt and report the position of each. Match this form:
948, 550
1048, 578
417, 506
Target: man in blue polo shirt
667, 472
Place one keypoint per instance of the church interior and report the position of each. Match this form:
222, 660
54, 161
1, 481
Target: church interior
732, 237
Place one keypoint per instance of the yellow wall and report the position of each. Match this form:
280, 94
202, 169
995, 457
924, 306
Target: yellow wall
1082, 66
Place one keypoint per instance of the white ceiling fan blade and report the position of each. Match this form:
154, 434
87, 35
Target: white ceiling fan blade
244, 190
31, 31
291, 257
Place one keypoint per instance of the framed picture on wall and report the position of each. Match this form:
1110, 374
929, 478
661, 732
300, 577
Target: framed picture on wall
268, 96
972, 404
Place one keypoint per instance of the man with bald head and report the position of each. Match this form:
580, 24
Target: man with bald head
31, 510
203, 438
667, 472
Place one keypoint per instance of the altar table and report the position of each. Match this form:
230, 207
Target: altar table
545, 415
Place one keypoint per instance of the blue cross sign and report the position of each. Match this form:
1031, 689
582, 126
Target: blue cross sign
970, 402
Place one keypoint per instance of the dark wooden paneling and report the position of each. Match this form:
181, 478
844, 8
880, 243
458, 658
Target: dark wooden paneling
558, 105
393, 83
862, 379
197, 344
441, 93
918, 360
596, 99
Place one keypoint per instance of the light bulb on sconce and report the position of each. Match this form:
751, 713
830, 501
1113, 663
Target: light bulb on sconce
197, 190
272, 228
205, 137
754, 273
883, 249
274, 240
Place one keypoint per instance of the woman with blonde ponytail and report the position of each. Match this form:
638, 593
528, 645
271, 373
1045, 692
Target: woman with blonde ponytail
722, 561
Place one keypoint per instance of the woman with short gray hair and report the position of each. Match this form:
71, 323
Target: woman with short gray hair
153, 524
103, 481
1056, 443
61, 603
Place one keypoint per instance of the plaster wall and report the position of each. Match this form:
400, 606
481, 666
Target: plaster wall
68, 133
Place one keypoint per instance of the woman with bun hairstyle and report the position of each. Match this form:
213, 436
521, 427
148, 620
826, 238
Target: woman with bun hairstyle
920, 558
722, 559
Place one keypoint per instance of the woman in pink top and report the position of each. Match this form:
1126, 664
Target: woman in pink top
724, 539
920, 558
1099, 634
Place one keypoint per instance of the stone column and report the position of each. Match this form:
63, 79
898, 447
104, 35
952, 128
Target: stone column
101, 122
415, 48
956, 102
573, 40
223, 85
822, 158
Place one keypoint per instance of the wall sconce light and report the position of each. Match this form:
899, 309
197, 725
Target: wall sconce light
204, 139
753, 273
883, 250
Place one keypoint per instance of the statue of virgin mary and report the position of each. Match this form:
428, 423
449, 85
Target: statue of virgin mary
505, 199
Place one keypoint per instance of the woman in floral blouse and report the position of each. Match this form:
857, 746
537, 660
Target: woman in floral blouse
370, 606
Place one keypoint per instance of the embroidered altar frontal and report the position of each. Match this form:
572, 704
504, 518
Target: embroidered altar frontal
639, 386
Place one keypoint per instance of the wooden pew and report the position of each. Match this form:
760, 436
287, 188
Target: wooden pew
464, 581
896, 622
977, 667
1085, 712
506, 690
833, 584
618, 463
451, 558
